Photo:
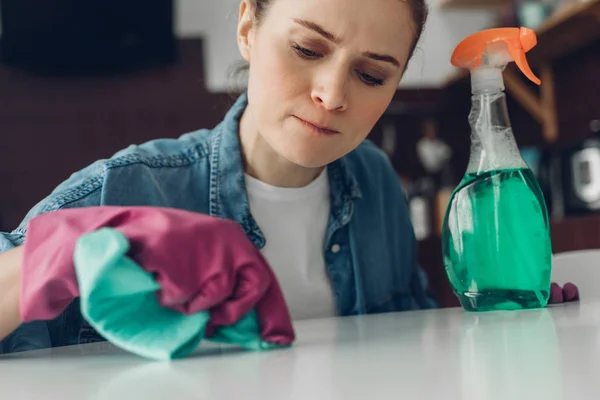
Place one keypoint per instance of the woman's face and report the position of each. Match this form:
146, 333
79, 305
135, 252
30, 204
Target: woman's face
322, 72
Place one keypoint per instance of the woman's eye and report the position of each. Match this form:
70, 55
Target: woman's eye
370, 80
309, 54
306, 53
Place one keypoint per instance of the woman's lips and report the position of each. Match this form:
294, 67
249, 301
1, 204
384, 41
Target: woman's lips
323, 130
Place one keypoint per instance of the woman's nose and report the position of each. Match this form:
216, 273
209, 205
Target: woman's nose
330, 92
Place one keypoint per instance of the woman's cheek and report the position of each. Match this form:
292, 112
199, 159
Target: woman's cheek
276, 73
288, 74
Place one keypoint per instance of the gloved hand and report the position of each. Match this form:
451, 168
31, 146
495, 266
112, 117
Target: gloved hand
118, 298
568, 292
200, 263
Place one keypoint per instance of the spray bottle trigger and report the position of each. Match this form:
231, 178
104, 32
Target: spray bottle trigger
527, 38
519, 56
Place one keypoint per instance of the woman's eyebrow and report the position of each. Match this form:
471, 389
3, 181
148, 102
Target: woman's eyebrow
313, 26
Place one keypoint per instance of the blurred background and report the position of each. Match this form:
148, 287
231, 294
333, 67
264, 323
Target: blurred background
80, 80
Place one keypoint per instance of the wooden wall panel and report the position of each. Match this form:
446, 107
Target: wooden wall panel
53, 126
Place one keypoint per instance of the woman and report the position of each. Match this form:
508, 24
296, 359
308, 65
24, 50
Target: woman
289, 163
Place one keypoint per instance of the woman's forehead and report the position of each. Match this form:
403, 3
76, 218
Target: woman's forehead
366, 23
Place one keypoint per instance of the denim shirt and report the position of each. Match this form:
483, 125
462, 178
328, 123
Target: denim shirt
370, 251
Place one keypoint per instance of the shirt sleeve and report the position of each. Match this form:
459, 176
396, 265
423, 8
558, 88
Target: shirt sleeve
80, 190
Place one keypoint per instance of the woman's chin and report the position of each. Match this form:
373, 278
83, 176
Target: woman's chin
306, 158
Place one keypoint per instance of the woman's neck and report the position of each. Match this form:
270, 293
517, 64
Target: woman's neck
264, 164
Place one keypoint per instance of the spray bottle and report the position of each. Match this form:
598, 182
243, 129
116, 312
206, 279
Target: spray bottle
496, 235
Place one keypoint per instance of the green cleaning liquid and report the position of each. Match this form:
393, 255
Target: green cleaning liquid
496, 241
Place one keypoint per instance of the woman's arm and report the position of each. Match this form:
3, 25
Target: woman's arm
10, 280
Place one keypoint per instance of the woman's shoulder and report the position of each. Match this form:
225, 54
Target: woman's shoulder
153, 155
164, 152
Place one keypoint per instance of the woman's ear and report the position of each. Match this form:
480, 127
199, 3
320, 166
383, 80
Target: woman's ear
245, 29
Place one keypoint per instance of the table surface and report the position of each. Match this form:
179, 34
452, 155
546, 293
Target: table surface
548, 354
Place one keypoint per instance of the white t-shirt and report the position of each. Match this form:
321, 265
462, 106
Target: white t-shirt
294, 222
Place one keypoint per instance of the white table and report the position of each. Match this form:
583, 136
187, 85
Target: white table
441, 354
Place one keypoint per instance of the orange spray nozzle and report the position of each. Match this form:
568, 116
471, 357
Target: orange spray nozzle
470, 52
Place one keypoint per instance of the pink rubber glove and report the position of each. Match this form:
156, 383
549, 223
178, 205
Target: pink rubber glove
568, 292
200, 262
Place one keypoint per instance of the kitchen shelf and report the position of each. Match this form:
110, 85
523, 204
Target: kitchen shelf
569, 29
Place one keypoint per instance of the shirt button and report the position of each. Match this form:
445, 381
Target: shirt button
335, 248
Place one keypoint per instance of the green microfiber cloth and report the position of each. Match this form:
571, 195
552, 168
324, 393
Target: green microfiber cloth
118, 299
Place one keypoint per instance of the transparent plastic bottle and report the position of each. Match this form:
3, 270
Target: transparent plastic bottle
496, 234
